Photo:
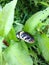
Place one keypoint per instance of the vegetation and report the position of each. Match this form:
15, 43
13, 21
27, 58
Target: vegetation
31, 16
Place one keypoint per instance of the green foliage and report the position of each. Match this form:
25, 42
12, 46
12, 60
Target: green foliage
19, 52
29, 8
38, 1
35, 19
31, 26
11, 35
1, 44
18, 27
7, 21
18, 49
44, 46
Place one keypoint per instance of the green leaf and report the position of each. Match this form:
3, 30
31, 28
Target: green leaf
0, 8
17, 54
18, 27
11, 36
1, 43
43, 42
33, 21
7, 18
44, 3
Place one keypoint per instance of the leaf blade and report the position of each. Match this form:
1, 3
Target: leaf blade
19, 52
